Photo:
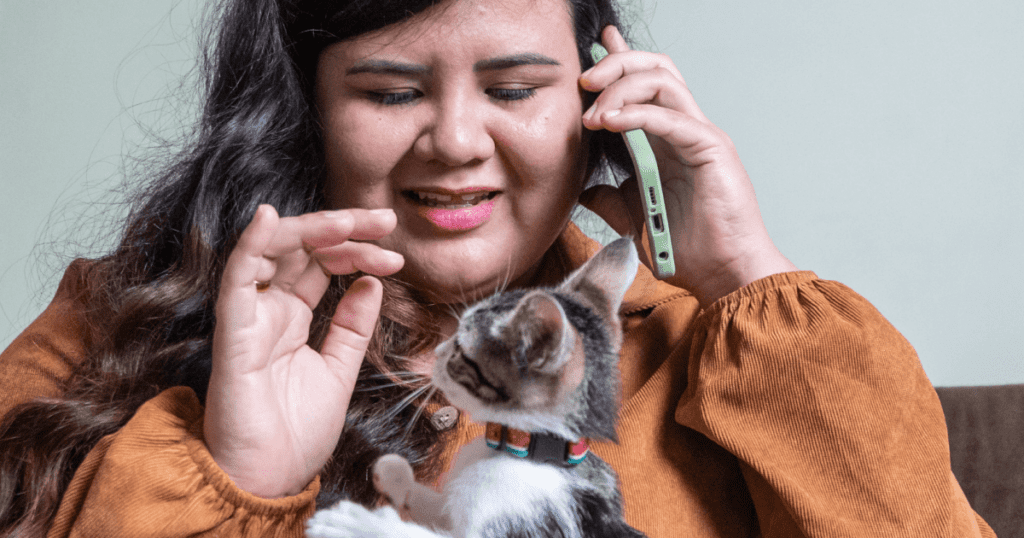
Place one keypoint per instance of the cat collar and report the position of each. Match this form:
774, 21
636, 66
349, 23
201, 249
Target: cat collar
539, 447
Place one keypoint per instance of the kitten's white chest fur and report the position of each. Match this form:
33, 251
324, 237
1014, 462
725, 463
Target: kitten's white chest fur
485, 486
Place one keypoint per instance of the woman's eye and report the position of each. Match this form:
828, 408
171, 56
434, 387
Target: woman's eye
511, 94
404, 97
394, 98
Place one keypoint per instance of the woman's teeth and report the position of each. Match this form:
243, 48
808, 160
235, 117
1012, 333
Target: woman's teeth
450, 201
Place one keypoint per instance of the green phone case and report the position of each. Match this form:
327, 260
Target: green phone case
649, 182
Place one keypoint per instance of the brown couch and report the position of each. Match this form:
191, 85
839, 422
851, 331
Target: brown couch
986, 444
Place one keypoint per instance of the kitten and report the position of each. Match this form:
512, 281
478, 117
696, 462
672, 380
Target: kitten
540, 367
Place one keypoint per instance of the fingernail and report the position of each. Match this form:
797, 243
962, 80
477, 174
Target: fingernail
385, 211
589, 112
611, 113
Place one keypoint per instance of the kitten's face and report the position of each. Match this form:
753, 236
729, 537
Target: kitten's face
514, 357
520, 357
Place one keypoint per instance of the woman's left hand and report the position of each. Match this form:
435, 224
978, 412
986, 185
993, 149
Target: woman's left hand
718, 238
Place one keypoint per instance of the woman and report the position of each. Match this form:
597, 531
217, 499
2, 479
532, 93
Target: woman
213, 376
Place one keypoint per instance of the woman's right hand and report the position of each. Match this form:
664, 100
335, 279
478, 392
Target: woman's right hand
275, 407
719, 239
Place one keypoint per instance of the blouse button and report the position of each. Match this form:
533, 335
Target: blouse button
444, 418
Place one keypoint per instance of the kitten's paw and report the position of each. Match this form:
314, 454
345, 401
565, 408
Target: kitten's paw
343, 520
351, 520
393, 477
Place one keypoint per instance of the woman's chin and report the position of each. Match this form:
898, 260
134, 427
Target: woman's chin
455, 287
455, 292
467, 268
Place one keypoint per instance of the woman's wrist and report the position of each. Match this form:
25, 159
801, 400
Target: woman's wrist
742, 271
262, 480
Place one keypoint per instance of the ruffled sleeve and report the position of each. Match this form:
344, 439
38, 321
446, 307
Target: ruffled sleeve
836, 427
155, 478
41, 359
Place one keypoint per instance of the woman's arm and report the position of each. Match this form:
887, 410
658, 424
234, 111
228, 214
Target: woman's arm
155, 477
189, 469
827, 408
837, 430
42, 357
152, 476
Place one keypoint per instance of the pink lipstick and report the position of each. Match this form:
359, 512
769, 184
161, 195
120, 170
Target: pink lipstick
453, 211
458, 220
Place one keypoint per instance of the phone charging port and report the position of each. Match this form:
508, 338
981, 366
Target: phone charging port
656, 221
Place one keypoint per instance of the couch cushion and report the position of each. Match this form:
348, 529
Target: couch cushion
986, 443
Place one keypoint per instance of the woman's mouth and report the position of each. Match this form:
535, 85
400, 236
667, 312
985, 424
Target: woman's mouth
449, 201
453, 212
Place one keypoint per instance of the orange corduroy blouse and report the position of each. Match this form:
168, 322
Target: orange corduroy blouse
788, 408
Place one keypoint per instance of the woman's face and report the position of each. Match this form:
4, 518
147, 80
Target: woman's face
465, 120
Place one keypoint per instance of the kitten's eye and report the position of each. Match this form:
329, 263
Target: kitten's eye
468, 373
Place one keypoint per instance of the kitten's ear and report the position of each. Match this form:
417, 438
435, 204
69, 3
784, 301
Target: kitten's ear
539, 323
604, 279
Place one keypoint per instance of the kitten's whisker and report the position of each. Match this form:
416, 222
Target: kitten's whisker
380, 387
418, 460
411, 397
419, 411
464, 305
390, 375
508, 275
453, 312
463, 301
372, 382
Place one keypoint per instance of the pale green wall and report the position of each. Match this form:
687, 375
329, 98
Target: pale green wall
886, 141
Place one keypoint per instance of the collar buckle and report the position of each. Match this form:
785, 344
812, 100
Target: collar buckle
539, 447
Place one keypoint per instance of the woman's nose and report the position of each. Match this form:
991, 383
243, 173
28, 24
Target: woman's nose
457, 134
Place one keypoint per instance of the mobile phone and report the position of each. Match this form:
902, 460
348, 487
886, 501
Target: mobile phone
649, 181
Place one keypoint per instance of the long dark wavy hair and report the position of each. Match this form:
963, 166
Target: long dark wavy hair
150, 312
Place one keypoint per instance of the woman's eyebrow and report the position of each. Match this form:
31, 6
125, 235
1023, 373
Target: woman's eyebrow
387, 67
514, 60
